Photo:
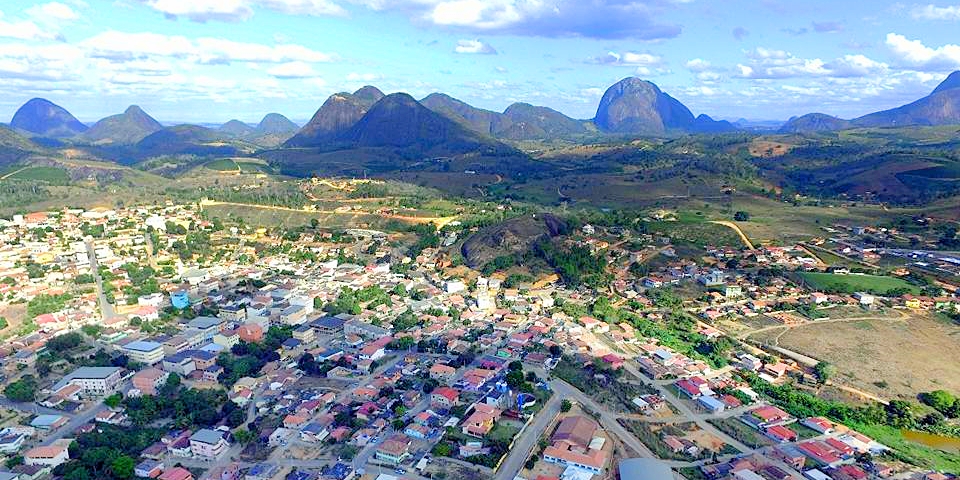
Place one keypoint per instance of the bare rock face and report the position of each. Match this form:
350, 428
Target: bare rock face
637, 106
335, 117
44, 118
513, 236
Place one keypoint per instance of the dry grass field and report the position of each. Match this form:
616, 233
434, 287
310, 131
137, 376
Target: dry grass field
891, 358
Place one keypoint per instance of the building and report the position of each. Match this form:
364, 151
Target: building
181, 363
180, 299
176, 473
207, 327
394, 450
144, 351
250, 332
148, 469
48, 456
328, 325
444, 397
150, 380
92, 381
208, 443
442, 373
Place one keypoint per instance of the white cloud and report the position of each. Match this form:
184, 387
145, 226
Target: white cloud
303, 7
698, 65
207, 50
474, 47
25, 30
631, 59
53, 11
933, 12
203, 10
779, 64
292, 70
917, 55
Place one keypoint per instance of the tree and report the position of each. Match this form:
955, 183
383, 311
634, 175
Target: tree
824, 371
555, 351
243, 436
741, 216
23, 390
565, 405
940, 400
113, 401
122, 467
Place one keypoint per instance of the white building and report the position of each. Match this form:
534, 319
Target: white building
144, 351
92, 381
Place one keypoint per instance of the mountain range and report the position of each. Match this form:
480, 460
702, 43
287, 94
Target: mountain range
441, 125
941, 107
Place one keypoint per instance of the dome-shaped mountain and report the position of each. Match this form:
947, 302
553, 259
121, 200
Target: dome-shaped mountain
941, 107
633, 105
399, 121
128, 127
44, 118
477, 119
814, 122
340, 112
529, 122
276, 124
236, 128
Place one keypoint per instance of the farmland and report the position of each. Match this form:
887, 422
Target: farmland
875, 355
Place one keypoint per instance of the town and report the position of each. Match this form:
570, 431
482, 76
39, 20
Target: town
162, 342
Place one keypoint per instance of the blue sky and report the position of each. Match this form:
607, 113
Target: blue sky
214, 60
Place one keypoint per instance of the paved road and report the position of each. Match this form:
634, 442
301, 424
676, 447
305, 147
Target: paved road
106, 308
30, 407
82, 418
528, 440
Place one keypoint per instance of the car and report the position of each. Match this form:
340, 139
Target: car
400, 471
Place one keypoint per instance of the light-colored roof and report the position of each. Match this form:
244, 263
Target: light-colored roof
644, 469
205, 435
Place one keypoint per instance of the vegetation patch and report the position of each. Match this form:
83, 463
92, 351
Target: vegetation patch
880, 285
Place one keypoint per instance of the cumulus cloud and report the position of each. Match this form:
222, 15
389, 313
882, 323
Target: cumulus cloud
52, 12
698, 65
26, 30
915, 54
203, 10
779, 64
933, 12
120, 46
630, 59
474, 47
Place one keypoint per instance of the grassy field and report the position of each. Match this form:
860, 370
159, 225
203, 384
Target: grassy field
222, 165
829, 282
44, 174
878, 355
914, 452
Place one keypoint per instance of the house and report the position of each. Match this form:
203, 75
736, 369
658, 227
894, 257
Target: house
573, 444
48, 422
11, 441
262, 471
442, 373
444, 398
781, 434
208, 443
148, 381
328, 325
48, 456
176, 473
820, 424
481, 421
180, 363
394, 450
766, 416
148, 469
712, 404
250, 332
